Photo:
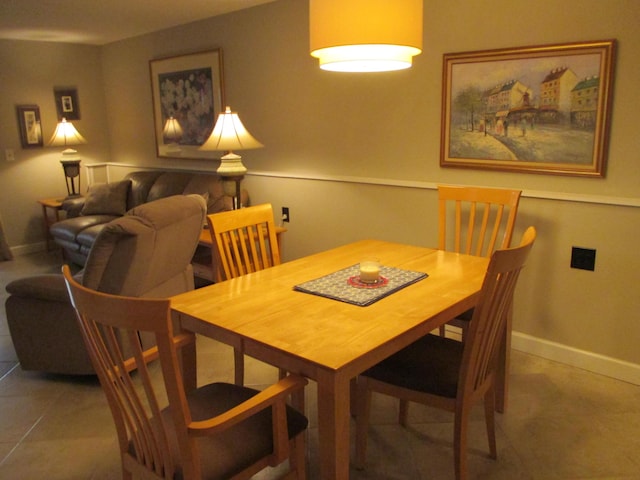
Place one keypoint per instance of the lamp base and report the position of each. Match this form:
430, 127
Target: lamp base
231, 169
71, 170
231, 165
231, 187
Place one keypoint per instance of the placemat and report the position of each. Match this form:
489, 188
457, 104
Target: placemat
338, 287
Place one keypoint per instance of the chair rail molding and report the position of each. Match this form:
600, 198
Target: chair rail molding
539, 194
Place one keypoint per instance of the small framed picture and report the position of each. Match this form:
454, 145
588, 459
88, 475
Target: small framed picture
67, 104
29, 124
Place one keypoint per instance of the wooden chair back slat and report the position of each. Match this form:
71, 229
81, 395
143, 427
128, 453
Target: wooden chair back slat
420, 376
480, 220
134, 405
157, 435
487, 325
245, 240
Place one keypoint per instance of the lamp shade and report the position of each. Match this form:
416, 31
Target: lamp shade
365, 35
65, 135
172, 130
229, 134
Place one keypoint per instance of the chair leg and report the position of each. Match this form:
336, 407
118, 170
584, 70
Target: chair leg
490, 420
297, 458
238, 360
363, 399
502, 373
403, 412
461, 426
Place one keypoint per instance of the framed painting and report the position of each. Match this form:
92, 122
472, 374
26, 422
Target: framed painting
29, 125
67, 104
188, 95
539, 109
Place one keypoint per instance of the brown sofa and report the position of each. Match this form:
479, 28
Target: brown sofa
87, 216
145, 253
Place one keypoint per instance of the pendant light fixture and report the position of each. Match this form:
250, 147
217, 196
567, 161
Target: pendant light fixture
365, 35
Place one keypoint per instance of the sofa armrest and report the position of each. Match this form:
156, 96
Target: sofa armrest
73, 206
49, 287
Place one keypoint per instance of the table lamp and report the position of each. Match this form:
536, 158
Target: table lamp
229, 134
365, 35
66, 135
171, 134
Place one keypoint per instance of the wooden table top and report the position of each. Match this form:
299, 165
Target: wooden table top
263, 308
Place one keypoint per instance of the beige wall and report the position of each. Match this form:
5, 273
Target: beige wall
357, 156
28, 73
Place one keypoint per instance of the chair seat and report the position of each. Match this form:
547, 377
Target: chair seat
430, 365
226, 454
466, 316
461, 321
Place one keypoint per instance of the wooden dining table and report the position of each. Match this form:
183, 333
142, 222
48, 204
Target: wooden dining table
327, 340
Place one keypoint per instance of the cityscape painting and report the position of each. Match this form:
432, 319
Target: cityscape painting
537, 109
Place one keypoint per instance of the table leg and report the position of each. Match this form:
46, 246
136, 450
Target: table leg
48, 222
187, 358
333, 426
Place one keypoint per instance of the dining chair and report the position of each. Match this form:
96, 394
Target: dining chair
447, 374
475, 221
218, 430
245, 242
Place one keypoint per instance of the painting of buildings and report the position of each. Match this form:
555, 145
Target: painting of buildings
535, 112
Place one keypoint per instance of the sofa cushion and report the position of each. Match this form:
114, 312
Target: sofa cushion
106, 199
168, 184
141, 183
87, 237
68, 230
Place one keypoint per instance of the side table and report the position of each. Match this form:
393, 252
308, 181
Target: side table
50, 214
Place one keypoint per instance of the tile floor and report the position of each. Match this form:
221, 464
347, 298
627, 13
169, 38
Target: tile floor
562, 422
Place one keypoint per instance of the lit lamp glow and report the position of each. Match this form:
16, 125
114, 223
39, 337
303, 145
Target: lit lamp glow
171, 134
66, 135
229, 134
365, 35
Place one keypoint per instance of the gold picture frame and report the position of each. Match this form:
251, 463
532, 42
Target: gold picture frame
543, 109
188, 95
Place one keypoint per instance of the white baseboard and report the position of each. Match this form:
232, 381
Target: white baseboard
28, 248
593, 362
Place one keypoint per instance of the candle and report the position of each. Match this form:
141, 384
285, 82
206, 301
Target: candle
369, 271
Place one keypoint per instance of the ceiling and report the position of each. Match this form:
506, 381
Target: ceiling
97, 22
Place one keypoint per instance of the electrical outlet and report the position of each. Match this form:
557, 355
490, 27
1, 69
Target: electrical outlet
9, 155
285, 214
583, 258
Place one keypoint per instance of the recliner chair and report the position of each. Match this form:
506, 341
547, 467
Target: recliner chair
145, 253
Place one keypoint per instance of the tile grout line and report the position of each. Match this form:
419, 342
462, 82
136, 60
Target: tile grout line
19, 442
9, 371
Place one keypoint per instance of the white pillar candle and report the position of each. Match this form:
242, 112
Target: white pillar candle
369, 271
